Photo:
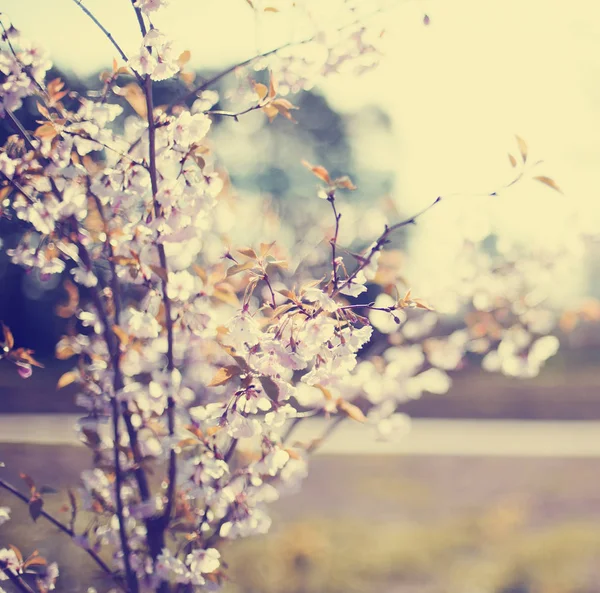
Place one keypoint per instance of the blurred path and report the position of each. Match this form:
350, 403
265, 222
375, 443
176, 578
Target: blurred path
426, 437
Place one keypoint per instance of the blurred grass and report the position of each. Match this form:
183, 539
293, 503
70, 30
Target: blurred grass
489, 553
378, 525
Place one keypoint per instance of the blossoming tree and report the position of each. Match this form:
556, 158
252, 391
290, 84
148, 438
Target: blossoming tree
199, 367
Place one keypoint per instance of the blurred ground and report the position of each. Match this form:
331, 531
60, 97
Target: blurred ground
382, 524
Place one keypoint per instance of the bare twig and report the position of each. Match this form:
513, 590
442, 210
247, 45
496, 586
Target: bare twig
382, 240
337, 216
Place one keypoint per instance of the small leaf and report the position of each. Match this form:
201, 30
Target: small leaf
46, 131
261, 90
344, 182
66, 379
549, 182
512, 159
184, 58
9, 341
248, 252
135, 96
271, 9
237, 268
318, 171
35, 561
29, 481
522, 147
43, 111
17, 552
35, 507
265, 248
160, 272
70, 307
224, 375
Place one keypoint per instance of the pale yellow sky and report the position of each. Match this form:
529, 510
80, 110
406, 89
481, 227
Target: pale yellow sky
457, 91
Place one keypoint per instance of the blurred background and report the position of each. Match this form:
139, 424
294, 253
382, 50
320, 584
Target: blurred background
455, 82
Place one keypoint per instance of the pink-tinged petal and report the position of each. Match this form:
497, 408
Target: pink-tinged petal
24, 370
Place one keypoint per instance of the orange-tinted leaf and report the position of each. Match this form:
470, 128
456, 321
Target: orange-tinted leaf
66, 379
70, 307
17, 552
248, 252
261, 90
134, 95
319, 171
549, 182
512, 159
237, 268
35, 561
46, 131
43, 111
522, 147
184, 58
9, 341
224, 375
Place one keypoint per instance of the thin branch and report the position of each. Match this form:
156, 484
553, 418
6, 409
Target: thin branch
20, 129
61, 526
331, 200
130, 575
234, 115
381, 240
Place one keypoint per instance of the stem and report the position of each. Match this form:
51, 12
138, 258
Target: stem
20, 129
131, 577
156, 536
61, 526
268, 282
331, 200
381, 241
